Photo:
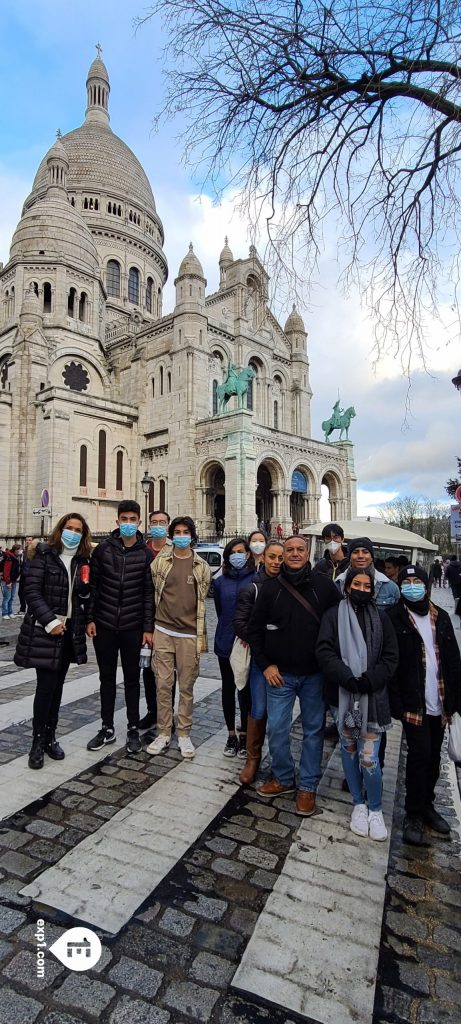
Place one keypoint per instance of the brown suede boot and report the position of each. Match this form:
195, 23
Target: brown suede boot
256, 731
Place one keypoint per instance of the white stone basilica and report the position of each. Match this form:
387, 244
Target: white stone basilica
98, 385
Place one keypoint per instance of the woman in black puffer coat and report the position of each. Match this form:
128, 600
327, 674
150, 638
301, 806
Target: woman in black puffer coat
53, 631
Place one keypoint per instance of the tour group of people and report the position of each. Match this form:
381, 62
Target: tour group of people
342, 635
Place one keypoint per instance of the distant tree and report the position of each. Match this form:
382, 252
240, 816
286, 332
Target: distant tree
420, 515
452, 484
347, 111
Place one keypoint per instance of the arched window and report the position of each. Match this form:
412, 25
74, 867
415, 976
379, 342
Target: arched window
71, 299
133, 286
47, 297
153, 387
159, 302
83, 464
85, 203
276, 415
149, 287
96, 204
215, 398
168, 380
35, 284
82, 307
119, 472
102, 460
113, 278
161, 384
162, 496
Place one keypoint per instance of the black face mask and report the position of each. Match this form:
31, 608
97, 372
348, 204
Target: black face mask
360, 597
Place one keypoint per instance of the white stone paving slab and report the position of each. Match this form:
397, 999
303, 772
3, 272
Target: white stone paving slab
16, 711
19, 785
137, 848
24, 675
315, 947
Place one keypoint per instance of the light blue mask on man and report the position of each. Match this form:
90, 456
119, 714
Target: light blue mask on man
128, 529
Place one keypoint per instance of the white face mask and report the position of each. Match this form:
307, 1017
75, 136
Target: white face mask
257, 547
333, 547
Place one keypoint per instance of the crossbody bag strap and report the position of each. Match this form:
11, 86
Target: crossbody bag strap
302, 600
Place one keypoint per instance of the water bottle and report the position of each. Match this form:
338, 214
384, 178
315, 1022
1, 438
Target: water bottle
145, 655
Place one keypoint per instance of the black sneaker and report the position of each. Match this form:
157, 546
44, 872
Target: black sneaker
231, 748
103, 738
242, 747
148, 722
133, 743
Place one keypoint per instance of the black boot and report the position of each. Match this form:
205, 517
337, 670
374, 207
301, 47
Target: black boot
51, 745
413, 830
436, 822
36, 751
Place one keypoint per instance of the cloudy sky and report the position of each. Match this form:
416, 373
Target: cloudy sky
45, 59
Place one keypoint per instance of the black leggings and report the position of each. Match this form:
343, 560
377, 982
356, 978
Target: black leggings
48, 694
228, 697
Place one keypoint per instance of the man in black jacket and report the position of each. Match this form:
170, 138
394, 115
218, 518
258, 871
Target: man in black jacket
424, 693
335, 558
120, 617
283, 635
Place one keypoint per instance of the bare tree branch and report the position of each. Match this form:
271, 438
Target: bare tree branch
345, 110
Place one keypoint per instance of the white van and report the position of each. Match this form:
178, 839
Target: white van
211, 553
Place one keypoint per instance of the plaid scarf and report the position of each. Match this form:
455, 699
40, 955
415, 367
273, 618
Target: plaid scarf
416, 717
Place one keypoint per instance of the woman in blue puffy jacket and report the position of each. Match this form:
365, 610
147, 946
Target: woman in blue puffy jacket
238, 572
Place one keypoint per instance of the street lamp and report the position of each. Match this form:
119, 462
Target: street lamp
145, 484
457, 381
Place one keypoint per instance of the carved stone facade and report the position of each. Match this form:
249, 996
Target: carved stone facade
96, 385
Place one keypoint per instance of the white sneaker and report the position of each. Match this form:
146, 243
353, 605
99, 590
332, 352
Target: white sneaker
6, 616
359, 820
160, 743
376, 827
186, 747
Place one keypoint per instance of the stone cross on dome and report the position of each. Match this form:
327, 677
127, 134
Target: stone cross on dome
99, 50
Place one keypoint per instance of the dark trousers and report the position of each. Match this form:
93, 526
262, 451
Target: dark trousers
21, 593
150, 690
228, 697
48, 694
424, 743
107, 644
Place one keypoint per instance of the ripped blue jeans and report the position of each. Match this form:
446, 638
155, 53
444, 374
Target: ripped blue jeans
360, 760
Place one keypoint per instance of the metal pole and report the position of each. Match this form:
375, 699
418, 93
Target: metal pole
146, 498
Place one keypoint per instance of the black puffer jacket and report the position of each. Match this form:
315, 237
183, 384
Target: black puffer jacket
407, 689
47, 594
122, 593
246, 602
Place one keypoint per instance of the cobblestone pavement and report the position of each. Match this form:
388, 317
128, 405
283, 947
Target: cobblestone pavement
174, 961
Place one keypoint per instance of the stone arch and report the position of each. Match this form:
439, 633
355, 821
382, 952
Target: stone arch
331, 482
270, 490
212, 497
302, 493
100, 384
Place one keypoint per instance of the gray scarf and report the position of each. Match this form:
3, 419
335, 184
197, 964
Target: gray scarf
359, 652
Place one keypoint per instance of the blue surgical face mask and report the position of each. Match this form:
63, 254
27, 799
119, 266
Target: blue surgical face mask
157, 531
128, 529
182, 540
413, 591
70, 539
237, 560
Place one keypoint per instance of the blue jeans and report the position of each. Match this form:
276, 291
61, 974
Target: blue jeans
9, 594
258, 692
360, 758
280, 702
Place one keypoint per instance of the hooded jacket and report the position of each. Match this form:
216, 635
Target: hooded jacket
122, 594
225, 592
387, 592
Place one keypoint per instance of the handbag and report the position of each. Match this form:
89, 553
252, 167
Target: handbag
454, 737
240, 658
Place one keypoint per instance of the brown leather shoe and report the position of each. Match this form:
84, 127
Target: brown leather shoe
305, 803
274, 788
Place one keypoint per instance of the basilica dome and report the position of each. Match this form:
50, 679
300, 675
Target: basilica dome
295, 322
52, 228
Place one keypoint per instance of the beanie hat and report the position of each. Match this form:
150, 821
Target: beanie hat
413, 572
351, 573
360, 542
